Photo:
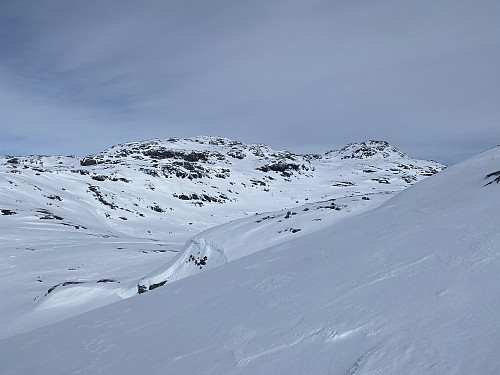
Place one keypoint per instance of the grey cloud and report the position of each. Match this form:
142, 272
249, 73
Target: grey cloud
307, 76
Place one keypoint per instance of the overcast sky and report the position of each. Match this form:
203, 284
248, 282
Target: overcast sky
80, 76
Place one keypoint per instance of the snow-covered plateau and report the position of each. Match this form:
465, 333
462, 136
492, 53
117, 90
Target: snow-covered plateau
318, 264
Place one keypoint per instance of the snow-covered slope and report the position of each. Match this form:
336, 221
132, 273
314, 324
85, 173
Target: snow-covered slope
408, 288
224, 243
80, 233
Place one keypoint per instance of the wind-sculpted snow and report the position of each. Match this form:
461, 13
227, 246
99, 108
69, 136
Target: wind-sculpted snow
124, 212
199, 253
410, 287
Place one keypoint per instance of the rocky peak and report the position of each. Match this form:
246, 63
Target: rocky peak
370, 150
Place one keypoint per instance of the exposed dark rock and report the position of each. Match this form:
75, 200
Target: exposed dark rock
197, 261
237, 154
496, 179
154, 286
54, 197
99, 196
88, 161
343, 183
381, 180
157, 208
279, 167
81, 171
151, 172
106, 281
408, 179
164, 153
258, 182
72, 283
51, 289
183, 169
49, 215
203, 198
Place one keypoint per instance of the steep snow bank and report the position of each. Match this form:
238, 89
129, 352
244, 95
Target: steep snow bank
198, 253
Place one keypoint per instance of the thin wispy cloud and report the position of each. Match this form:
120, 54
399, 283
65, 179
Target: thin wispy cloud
309, 76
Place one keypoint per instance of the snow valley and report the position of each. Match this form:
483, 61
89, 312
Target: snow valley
80, 233
253, 260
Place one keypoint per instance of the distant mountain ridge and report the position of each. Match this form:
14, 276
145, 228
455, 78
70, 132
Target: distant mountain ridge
135, 180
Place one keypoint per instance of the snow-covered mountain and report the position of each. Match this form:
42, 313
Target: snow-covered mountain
188, 180
81, 233
408, 287
192, 183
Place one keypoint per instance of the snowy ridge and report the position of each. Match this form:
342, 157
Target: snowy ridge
410, 287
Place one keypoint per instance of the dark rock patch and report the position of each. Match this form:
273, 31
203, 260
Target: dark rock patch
54, 197
284, 168
63, 284
200, 262
100, 197
343, 184
49, 215
106, 281
88, 161
496, 179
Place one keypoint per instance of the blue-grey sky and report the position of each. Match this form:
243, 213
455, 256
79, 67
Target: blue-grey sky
79, 76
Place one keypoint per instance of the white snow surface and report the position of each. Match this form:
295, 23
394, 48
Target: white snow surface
410, 287
81, 233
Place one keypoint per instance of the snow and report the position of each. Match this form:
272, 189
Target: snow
122, 219
408, 287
